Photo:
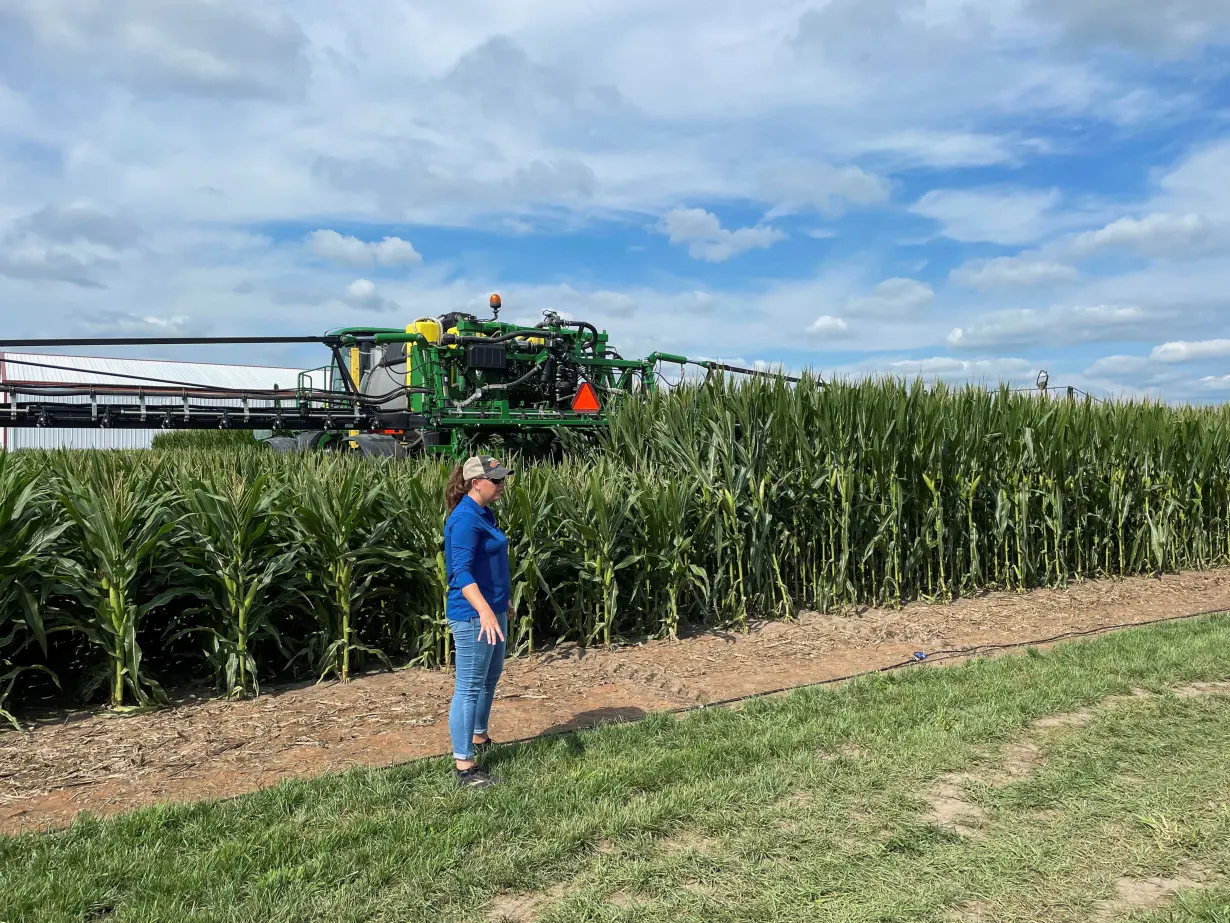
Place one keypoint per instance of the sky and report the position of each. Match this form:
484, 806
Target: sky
967, 190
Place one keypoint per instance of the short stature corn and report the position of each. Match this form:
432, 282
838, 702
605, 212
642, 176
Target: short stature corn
708, 505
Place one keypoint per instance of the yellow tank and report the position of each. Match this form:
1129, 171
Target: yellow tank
452, 331
428, 327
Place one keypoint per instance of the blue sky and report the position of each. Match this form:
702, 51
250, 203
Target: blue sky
963, 190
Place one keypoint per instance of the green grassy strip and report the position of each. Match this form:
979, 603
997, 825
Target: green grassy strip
804, 807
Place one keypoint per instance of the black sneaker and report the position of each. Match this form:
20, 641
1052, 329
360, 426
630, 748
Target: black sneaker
474, 777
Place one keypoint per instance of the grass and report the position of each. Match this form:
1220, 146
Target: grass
810, 806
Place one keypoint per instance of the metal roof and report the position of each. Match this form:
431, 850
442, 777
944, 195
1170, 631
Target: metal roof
33, 367
46, 368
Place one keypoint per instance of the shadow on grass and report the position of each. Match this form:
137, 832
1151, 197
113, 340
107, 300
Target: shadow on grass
573, 742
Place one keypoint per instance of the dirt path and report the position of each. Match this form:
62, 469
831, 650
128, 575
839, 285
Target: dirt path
208, 748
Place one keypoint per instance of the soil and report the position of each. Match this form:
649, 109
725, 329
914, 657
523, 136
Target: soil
1134, 895
949, 808
947, 804
203, 748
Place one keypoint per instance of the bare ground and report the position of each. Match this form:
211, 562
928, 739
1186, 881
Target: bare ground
205, 748
1134, 895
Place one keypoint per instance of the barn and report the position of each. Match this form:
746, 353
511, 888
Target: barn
47, 369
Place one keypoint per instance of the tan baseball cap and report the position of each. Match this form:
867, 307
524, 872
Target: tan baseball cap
484, 466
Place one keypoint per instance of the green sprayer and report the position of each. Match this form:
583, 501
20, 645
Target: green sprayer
440, 385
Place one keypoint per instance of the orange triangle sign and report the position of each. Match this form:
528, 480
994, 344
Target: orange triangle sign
586, 399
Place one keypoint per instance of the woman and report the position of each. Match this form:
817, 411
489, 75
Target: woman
479, 592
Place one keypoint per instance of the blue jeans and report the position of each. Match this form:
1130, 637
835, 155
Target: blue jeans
479, 665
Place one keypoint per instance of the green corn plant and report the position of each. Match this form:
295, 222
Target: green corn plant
529, 513
233, 550
121, 521
410, 615
672, 523
712, 503
601, 529
343, 525
30, 562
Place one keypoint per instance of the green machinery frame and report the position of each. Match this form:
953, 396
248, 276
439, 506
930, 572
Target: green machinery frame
437, 386
477, 378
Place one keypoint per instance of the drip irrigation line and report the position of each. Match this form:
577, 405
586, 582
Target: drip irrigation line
945, 655
942, 655
1053, 389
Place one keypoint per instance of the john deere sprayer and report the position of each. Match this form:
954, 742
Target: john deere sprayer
438, 385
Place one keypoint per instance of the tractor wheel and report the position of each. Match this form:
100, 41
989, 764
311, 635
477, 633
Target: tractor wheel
414, 442
378, 445
283, 445
308, 441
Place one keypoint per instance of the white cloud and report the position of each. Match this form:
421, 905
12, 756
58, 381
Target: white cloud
1153, 235
599, 306
79, 222
499, 111
574, 123
708, 240
74, 244
1200, 183
893, 298
124, 323
1054, 325
613, 304
1000, 216
1145, 376
1216, 382
1012, 272
947, 368
825, 188
1172, 28
920, 147
405, 181
1181, 351
391, 251
828, 326
223, 48
24, 257
362, 294
1117, 367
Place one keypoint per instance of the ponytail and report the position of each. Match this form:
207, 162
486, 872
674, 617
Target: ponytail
458, 486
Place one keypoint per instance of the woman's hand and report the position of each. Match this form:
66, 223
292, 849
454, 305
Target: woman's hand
489, 625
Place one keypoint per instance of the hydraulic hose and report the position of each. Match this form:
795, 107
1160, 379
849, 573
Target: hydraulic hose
538, 369
502, 338
582, 324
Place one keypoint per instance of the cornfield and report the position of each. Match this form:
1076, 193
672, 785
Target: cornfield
121, 573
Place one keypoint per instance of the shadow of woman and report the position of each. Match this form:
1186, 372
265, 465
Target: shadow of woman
581, 721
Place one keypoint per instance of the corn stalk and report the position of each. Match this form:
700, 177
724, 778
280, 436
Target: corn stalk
233, 550
122, 519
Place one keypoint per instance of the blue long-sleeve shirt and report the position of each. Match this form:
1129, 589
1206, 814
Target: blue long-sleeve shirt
475, 551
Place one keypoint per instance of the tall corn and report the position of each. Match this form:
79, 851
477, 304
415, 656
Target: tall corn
711, 505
